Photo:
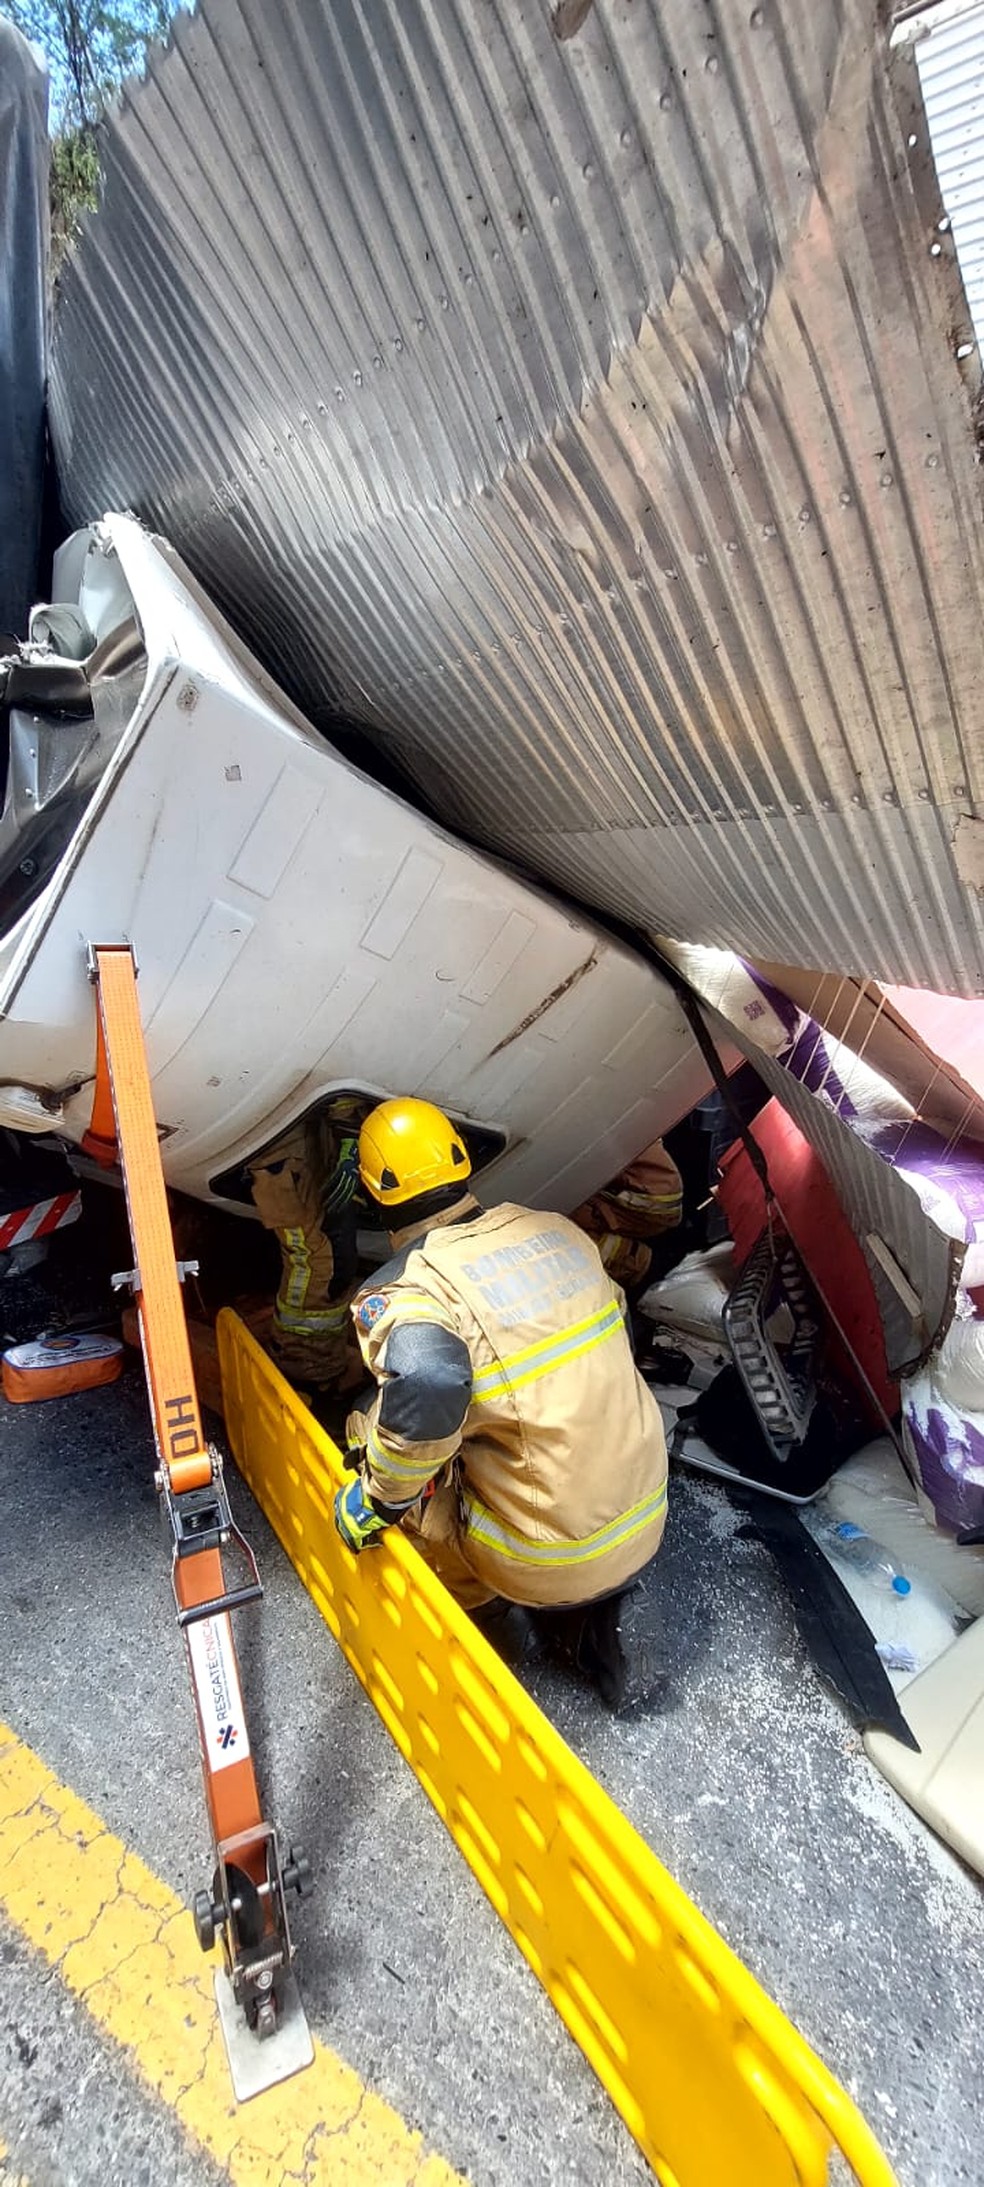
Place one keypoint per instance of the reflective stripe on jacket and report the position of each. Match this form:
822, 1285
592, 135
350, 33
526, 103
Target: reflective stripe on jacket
502, 1339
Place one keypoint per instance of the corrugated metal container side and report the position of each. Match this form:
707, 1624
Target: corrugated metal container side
950, 58
580, 412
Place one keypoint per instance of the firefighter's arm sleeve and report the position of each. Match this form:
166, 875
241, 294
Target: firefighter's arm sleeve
424, 1372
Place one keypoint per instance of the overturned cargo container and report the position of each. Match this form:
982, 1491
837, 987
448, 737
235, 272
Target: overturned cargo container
581, 399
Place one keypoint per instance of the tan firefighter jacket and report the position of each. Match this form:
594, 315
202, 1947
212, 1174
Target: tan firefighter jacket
499, 1340
303, 1189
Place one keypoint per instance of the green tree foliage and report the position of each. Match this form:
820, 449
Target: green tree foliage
90, 48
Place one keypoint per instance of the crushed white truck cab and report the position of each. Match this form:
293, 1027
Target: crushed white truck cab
300, 930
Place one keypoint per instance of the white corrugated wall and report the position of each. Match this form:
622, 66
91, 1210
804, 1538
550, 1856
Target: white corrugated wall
950, 59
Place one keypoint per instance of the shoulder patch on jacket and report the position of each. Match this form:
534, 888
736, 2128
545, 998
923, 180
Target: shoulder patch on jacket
371, 1309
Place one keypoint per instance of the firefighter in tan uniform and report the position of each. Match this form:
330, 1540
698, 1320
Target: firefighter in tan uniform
645, 1201
511, 1434
303, 1190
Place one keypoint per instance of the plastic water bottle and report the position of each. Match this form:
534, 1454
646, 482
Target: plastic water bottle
850, 1545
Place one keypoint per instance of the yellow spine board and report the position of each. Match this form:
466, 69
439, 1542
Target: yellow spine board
711, 2079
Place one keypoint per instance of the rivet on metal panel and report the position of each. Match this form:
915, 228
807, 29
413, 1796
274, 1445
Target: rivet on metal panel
421, 323
757, 18
625, 137
712, 64
844, 498
666, 101
768, 531
496, 261
323, 408
912, 140
924, 794
856, 798
357, 377
398, 344
806, 516
888, 797
443, 301
960, 789
732, 546
377, 363
932, 463
701, 559
936, 250
588, 171
886, 480
188, 698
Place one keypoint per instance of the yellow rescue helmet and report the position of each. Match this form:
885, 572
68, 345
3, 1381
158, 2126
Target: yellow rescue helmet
407, 1147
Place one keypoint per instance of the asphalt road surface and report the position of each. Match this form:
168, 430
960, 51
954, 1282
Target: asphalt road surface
439, 2051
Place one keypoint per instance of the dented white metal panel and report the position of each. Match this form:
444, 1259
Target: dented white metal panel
570, 395
300, 930
949, 49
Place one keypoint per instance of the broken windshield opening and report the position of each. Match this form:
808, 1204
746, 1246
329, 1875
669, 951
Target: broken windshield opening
66, 703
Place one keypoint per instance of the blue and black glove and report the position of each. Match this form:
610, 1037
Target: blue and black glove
356, 1518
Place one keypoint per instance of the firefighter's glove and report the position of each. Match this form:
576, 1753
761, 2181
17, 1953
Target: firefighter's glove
343, 1184
356, 1520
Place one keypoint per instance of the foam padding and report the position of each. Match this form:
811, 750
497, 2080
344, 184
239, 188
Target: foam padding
710, 2078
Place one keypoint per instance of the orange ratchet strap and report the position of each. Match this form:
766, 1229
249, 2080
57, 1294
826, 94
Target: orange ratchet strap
247, 1900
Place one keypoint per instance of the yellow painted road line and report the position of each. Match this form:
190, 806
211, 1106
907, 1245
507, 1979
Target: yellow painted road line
7, 2177
125, 1945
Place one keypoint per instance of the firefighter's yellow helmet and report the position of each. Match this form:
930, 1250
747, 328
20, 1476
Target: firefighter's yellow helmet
408, 1147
